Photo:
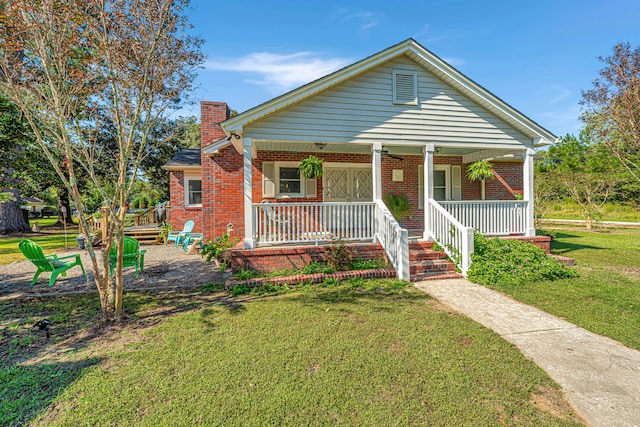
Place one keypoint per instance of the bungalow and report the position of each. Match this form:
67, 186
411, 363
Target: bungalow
402, 121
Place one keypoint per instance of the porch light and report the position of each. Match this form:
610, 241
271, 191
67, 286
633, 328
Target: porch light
320, 145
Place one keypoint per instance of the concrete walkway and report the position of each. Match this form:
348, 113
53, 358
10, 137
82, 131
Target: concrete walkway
600, 377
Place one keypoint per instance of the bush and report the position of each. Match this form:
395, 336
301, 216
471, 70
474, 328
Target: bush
512, 262
339, 256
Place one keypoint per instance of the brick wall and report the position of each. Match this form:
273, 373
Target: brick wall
180, 214
222, 174
280, 258
507, 182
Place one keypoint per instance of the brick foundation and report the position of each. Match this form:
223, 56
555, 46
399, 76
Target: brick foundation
543, 242
271, 259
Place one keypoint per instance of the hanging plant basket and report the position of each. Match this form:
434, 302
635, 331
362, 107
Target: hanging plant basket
482, 169
311, 167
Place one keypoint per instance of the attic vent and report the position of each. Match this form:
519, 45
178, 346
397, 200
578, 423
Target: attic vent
405, 88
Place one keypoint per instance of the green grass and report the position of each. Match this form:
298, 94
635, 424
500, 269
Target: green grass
568, 209
358, 353
51, 240
605, 298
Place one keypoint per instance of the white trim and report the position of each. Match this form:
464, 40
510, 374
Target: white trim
447, 181
191, 177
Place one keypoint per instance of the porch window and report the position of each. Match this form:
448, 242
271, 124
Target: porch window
193, 191
289, 179
283, 179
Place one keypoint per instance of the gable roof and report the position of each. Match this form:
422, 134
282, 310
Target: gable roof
421, 56
187, 158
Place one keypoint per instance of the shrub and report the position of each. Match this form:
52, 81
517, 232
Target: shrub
219, 248
339, 256
512, 262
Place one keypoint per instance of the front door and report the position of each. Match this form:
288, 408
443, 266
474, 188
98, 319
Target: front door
348, 184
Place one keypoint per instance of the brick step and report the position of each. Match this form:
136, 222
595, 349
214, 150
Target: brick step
436, 276
421, 255
421, 244
429, 266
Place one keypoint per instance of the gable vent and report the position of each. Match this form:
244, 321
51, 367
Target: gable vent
405, 88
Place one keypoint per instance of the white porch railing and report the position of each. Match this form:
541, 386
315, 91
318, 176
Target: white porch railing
276, 223
455, 238
496, 217
394, 239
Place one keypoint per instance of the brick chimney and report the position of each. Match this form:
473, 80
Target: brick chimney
222, 176
211, 115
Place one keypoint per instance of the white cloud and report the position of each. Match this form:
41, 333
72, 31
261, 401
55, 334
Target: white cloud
280, 72
454, 62
563, 120
364, 20
563, 94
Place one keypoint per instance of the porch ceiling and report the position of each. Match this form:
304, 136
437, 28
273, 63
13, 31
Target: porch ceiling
295, 146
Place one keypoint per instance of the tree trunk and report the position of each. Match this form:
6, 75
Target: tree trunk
63, 201
11, 218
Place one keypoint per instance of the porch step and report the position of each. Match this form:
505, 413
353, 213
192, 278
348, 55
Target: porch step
431, 266
144, 235
436, 276
427, 264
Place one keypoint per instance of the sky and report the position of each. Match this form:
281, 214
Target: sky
538, 56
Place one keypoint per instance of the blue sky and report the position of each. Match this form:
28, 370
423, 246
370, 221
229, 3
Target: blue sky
536, 55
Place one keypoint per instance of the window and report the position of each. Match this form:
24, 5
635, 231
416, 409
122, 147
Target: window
193, 191
283, 179
405, 87
446, 183
289, 179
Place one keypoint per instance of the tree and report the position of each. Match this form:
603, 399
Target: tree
613, 106
183, 132
580, 169
72, 67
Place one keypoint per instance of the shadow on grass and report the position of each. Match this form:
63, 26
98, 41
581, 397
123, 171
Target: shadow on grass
355, 295
27, 391
560, 246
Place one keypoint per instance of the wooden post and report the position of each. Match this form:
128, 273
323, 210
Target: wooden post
248, 188
429, 149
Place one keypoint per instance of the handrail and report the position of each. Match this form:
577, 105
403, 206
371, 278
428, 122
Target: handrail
394, 240
451, 234
494, 217
142, 218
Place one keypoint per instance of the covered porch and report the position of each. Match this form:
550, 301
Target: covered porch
347, 202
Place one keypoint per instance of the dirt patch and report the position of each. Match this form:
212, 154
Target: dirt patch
551, 400
631, 273
464, 340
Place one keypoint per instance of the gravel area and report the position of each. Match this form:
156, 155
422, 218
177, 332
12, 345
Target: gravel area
164, 268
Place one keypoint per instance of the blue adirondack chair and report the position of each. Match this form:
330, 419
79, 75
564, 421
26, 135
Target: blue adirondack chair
48, 263
179, 236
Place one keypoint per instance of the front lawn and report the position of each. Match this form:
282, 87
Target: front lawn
605, 298
51, 240
358, 353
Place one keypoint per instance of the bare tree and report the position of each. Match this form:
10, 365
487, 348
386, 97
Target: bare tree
69, 65
613, 106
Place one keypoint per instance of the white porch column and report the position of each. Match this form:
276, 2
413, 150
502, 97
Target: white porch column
376, 165
429, 149
527, 183
248, 209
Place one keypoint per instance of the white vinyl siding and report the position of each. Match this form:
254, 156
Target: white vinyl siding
283, 179
359, 111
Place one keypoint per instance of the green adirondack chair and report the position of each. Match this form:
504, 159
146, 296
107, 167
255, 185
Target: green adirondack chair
48, 263
132, 257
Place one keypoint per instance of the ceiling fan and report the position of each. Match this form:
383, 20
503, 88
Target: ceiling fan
385, 153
